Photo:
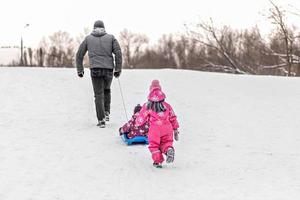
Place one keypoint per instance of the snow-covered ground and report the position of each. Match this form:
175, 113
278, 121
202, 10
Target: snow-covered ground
239, 138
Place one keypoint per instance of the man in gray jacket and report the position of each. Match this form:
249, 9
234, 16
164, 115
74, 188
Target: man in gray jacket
101, 47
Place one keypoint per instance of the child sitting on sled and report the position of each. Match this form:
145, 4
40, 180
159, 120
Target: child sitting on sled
162, 125
130, 129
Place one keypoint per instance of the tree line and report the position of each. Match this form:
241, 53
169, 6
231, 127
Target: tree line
203, 47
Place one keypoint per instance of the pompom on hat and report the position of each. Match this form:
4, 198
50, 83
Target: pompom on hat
154, 85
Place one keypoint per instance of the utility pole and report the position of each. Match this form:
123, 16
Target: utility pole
22, 60
21, 63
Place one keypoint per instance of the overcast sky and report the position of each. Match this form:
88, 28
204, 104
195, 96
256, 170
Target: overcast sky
152, 17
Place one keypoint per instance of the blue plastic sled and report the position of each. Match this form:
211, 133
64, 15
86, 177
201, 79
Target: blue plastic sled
135, 140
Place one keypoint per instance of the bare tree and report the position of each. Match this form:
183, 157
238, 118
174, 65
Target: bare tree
220, 41
166, 49
297, 52
132, 45
57, 50
30, 54
51, 60
40, 57
181, 52
254, 51
25, 58
188, 54
64, 47
41, 52
277, 16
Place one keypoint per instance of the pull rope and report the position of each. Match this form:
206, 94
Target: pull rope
121, 92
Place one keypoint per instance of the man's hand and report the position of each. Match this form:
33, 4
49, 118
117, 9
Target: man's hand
117, 74
80, 74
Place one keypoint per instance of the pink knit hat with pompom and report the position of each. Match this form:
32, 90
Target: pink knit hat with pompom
155, 92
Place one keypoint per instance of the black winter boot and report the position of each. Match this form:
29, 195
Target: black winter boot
157, 165
101, 124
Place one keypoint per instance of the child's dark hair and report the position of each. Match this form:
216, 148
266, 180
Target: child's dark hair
156, 106
137, 108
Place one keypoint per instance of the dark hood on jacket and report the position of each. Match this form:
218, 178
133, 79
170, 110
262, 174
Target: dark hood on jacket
98, 32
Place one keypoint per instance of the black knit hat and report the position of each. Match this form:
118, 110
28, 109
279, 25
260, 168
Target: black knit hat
99, 24
137, 108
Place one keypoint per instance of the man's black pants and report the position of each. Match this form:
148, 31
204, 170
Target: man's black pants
101, 79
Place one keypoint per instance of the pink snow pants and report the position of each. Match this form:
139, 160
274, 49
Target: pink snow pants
160, 139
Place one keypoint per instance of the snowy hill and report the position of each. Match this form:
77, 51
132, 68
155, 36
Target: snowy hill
239, 138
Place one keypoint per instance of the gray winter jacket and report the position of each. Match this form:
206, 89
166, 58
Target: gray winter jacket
101, 47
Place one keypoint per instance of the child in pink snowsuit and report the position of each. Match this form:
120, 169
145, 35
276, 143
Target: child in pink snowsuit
162, 124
